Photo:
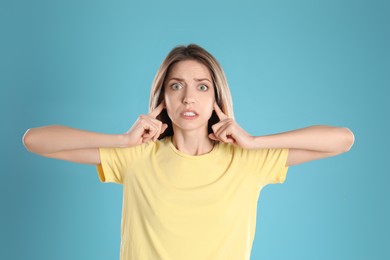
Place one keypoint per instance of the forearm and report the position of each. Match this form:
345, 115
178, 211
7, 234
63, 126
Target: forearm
317, 138
55, 138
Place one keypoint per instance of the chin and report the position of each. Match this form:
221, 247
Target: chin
190, 126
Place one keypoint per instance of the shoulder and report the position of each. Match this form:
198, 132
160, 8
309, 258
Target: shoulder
234, 149
244, 152
151, 146
144, 148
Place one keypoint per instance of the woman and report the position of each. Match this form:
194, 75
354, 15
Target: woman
191, 175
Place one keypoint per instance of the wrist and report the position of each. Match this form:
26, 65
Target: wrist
121, 140
247, 143
258, 142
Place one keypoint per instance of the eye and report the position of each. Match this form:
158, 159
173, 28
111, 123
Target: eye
176, 86
203, 87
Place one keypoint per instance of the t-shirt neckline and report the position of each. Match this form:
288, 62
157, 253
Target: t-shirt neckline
194, 157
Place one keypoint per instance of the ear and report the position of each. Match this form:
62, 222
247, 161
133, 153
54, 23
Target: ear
219, 103
218, 100
161, 99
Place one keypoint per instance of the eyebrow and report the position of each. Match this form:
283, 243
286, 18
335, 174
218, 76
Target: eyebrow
180, 79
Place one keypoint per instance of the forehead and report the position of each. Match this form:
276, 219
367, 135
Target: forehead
189, 69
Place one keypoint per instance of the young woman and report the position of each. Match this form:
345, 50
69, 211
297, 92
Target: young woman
191, 175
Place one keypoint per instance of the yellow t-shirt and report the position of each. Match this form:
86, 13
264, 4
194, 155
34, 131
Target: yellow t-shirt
182, 207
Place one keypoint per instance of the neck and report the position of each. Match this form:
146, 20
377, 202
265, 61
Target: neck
192, 142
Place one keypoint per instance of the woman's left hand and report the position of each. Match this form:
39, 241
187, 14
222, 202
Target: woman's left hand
228, 131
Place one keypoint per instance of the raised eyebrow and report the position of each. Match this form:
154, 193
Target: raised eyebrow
178, 79
202, 80
182, 80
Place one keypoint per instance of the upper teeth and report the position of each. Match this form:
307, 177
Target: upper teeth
189, 113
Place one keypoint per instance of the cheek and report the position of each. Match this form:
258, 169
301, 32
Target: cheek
209, 106
169, 104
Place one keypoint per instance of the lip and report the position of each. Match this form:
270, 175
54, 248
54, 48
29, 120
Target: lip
189, 117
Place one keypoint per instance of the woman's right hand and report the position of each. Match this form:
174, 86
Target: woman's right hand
146, 128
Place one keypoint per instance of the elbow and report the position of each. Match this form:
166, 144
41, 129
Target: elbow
349, 139
26, 140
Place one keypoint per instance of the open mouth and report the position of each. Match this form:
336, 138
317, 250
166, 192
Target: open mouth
189, 114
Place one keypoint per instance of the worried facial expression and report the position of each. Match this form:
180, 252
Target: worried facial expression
189, 95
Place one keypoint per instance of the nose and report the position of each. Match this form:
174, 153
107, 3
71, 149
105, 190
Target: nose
188, 100
188, 97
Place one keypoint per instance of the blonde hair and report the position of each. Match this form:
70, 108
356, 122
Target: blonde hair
197, 53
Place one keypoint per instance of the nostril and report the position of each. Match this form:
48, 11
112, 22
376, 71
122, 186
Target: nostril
188, 100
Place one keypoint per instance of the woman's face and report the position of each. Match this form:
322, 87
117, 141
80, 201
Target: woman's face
189, 95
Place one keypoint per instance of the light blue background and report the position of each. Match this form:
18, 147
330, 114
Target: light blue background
290, 64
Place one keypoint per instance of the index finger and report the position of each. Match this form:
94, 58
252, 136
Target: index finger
219, 112
157, 110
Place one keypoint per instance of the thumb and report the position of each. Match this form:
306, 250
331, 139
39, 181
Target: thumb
164, 127
213, 137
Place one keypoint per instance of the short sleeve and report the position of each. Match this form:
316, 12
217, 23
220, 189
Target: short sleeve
272, 167
114, 162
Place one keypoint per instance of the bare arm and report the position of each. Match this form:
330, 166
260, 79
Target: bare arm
55, 138
71, 144
309, 143
76, 145
304, 144
320, 138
